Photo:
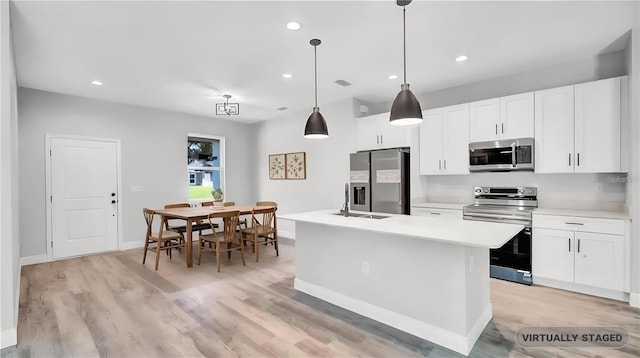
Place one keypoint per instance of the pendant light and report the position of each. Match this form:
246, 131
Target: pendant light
405, 109
316, 125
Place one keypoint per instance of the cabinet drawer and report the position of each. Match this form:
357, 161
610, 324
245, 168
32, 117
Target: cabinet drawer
576, 223
436, 212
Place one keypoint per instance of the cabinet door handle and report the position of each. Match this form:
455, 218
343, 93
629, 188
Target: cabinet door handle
502, 128
569, 159
445, 164
439, 164
578, 159
573, 223
578, 245
569, 245
496, 129
432, 213
377, 139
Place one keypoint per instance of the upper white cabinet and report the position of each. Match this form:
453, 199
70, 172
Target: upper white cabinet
577, 128
375, 132
444, 141
502, 118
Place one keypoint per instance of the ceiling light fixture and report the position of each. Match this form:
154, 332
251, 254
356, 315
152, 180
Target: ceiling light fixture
316, 125
227, 108
287, 75
392, 77
405, 109
293, 26
97, 83
461, 58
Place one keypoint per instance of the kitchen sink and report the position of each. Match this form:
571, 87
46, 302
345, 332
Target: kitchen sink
365, 216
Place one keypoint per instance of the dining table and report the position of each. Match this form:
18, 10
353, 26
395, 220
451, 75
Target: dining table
195, 214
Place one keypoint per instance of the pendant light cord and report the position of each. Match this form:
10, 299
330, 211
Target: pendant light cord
315, 71
404, 41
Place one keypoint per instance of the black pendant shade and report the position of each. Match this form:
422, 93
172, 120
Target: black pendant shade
316, 125
405, 109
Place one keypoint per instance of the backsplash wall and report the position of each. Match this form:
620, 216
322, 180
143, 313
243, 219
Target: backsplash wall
569, 191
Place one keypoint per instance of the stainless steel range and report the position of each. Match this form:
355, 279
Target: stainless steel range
513, 205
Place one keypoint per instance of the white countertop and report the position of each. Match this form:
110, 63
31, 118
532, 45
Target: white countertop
439, 205
584, 213
463, 232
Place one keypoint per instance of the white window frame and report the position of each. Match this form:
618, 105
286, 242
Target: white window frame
223, 180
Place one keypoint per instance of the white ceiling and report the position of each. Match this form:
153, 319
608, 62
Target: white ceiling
183, 56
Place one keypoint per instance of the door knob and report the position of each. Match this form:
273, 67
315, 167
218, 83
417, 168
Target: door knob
113, 194
113, 201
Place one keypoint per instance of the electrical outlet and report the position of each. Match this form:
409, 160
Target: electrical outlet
598, 187
366, 269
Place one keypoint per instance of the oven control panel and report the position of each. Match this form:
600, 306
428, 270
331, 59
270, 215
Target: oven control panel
520, 191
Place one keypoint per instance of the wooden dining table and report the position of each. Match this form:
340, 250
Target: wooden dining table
194, 214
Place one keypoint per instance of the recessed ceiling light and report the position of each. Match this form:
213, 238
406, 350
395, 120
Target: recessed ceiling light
287, 75
96, 83
293, 26
461, 58
392, 77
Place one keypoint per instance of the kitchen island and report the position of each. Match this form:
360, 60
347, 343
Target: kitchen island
422, 275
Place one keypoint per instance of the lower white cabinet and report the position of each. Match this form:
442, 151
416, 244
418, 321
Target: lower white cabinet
437, 212
595, 259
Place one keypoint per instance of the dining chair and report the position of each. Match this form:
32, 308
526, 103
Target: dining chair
243, 221
181, 228
263, 225
227, 240
168, 240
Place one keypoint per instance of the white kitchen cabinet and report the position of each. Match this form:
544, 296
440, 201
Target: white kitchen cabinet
578, 128
552, 254
437, 212
587, 252
597, 126
444, 141
502, 118
599, 260
375, 132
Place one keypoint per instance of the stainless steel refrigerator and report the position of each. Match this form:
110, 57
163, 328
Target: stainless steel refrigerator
379, 181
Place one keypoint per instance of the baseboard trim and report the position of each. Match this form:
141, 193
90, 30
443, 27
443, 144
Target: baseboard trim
32, 260
587, 290
8, 337
634, 300
478, 327
131, 245
437, 335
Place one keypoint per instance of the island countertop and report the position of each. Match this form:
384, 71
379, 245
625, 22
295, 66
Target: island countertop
461, 232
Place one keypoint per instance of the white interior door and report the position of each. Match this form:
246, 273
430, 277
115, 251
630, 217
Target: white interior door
84, 188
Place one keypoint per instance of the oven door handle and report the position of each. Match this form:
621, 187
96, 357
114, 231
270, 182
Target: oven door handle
525, 223
513, 154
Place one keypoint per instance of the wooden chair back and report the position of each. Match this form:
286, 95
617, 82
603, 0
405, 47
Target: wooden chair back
267, 203
264, 220
148, 218
229, 203
206, 203
175, 222
230, 221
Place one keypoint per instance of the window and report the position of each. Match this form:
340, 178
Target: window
205, 160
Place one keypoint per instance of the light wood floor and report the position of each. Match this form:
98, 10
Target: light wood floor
110, 305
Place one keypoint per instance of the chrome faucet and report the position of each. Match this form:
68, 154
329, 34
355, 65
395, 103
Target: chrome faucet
345, 206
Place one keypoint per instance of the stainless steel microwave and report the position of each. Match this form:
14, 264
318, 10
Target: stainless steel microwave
501, 155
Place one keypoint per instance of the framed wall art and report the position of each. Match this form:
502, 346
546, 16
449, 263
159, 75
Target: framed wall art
296, 165
277, 168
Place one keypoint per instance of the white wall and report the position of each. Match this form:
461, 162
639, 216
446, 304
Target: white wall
9, 231
154, 147
327, 160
